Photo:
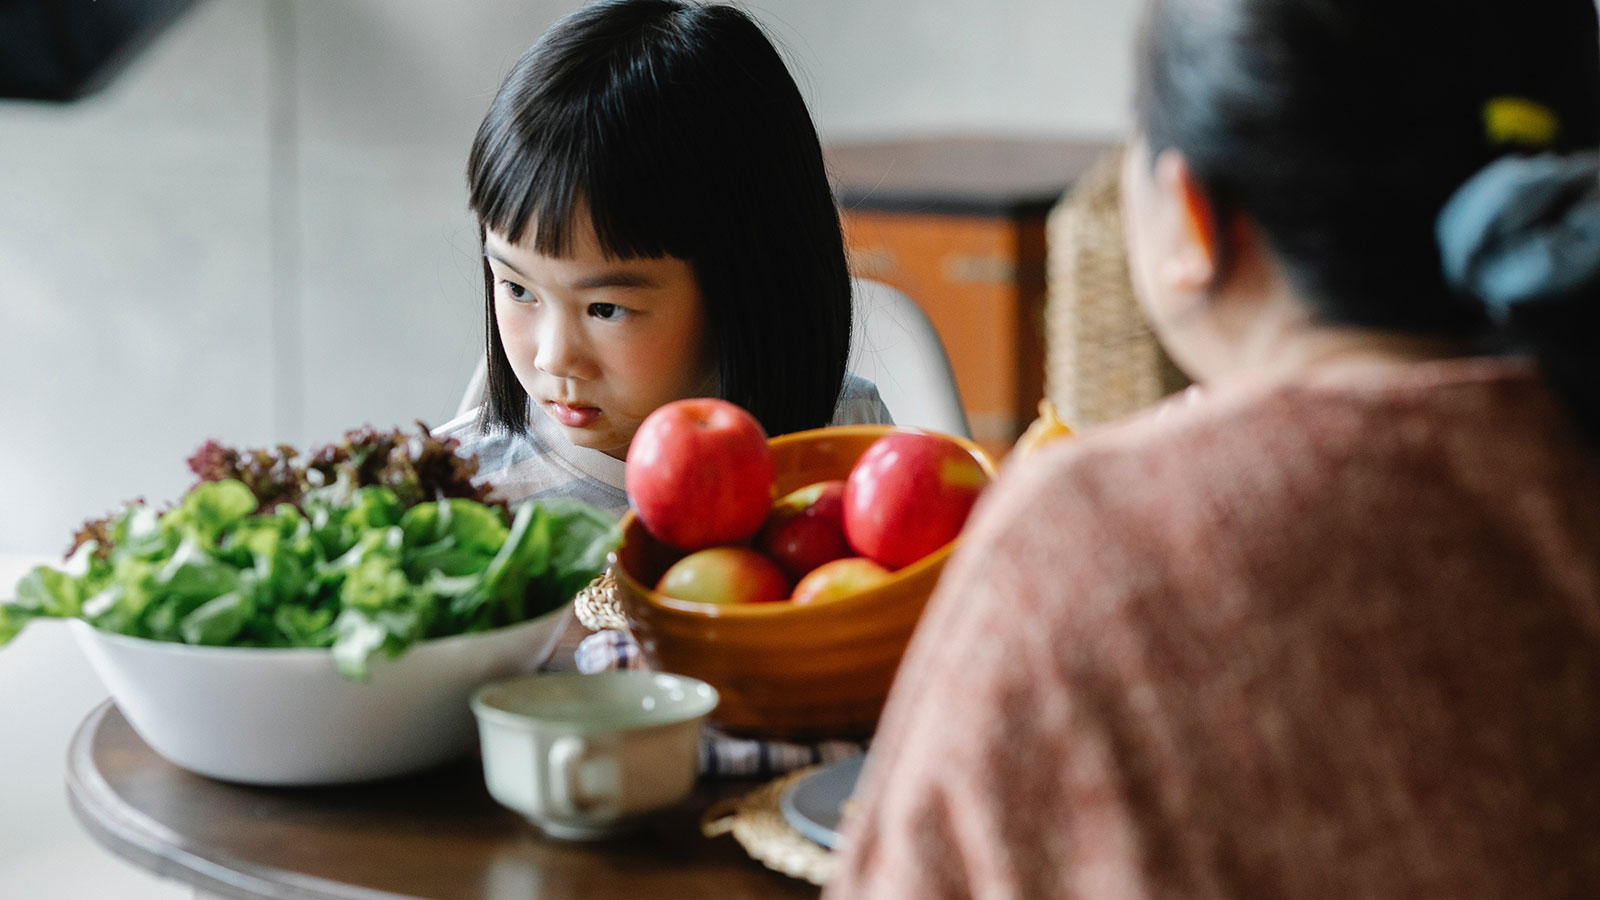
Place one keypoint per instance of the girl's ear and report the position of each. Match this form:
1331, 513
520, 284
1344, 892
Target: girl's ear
1194, 260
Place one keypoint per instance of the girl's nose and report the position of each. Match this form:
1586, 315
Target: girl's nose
563, 352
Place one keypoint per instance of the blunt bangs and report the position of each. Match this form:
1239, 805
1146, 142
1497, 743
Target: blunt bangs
589, 141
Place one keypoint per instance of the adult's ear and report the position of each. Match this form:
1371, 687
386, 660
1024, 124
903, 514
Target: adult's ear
1195, 259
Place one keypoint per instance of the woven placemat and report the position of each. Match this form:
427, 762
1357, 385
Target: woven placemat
756, 821
599, 606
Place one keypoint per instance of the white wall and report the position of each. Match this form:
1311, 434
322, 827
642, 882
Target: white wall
258, 233
1013, 67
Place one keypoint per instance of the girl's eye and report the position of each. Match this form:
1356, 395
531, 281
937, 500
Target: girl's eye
608, 311
516, 291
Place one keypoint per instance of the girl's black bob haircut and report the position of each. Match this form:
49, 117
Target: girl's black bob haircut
677, 129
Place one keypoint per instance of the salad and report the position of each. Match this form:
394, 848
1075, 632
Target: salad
366, 545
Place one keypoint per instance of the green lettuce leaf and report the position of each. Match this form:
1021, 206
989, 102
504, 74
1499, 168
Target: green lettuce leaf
43, 592
346, 555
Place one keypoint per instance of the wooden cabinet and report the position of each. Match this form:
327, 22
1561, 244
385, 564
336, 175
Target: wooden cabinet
959, 226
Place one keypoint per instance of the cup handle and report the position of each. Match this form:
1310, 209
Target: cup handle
567, 756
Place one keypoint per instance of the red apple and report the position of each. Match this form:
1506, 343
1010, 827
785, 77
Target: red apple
839, 578
700, 474
725, 575
806, 528
909, 495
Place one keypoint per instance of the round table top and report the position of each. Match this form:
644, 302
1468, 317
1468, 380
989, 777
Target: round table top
434, 835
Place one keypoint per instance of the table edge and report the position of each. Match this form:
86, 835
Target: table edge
152, 846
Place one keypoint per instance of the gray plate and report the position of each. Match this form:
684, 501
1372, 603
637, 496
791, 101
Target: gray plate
815, 805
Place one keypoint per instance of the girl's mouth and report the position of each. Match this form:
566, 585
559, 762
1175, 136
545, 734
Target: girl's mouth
572, 416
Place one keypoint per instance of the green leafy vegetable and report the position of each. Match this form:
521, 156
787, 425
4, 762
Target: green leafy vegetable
346, 551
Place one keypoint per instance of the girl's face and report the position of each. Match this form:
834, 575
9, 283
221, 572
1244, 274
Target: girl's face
599, 343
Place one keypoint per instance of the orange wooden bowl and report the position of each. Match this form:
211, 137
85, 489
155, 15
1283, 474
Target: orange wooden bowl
784, 671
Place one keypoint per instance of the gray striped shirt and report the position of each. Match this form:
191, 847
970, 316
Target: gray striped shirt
541, 463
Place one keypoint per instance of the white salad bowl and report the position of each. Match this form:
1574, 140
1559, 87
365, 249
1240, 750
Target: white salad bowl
288, 717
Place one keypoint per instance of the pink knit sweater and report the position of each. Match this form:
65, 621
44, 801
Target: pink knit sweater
1338, 639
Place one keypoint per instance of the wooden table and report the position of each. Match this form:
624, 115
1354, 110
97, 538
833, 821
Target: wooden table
434, 835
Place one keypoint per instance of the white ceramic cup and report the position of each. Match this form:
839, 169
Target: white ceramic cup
584, 756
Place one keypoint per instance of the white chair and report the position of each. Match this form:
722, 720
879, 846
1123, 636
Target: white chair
892, 345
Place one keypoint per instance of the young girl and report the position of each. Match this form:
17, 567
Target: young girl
657, 224
1331, 629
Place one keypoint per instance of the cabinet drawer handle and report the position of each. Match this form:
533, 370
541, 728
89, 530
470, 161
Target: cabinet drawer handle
873, 262
963, 269
993, 425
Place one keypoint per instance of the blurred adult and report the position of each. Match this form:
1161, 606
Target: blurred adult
1330, 627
